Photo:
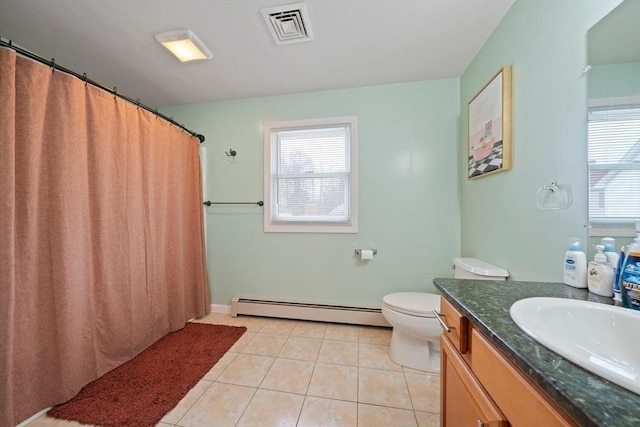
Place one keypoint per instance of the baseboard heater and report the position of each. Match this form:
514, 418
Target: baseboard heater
308, 311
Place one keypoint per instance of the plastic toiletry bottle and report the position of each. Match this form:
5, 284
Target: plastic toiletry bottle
575, 265
609, 244
630, 276
616, 277
600, 274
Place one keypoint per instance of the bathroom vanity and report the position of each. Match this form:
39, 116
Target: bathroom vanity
493, 374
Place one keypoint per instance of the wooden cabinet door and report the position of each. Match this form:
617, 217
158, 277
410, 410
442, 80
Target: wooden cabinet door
463, 402
523, 402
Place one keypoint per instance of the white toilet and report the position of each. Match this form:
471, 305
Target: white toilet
415, 340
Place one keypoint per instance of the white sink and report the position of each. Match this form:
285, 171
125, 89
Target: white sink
600, 338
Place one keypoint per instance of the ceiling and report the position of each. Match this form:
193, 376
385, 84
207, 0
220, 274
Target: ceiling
356, 43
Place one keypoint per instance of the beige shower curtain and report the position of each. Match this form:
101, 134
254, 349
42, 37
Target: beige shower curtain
101, 234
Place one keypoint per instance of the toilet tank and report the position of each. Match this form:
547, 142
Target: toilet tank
474, 268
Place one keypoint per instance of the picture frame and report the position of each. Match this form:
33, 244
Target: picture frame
489, 124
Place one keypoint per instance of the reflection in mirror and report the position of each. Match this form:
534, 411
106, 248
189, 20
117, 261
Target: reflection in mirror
614, 125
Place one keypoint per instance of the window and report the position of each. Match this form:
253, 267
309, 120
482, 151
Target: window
614, 166
310, 176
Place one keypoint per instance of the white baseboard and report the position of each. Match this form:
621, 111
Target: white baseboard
221, 308
34, 417
370, 316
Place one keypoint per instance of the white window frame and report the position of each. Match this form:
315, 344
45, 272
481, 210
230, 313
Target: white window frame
599, 227
280, 226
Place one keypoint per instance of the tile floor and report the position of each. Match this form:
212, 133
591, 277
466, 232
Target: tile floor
297, 373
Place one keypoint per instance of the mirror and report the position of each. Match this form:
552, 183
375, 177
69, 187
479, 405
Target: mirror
613, 81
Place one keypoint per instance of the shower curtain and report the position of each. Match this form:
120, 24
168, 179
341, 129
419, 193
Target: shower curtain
101, 229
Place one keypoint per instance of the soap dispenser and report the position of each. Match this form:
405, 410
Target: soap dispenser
600, 274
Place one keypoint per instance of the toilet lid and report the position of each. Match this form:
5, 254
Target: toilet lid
413, 303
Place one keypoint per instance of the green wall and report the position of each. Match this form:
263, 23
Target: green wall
408, 204
545, 42
614, 80
416, 205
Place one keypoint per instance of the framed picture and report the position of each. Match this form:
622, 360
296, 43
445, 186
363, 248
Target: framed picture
490, 127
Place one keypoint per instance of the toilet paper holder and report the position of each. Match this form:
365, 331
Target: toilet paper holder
359, 251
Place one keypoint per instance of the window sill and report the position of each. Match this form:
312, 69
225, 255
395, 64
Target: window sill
309, 228
613, 229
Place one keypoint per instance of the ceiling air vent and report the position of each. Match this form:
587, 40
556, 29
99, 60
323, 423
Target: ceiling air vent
288, 24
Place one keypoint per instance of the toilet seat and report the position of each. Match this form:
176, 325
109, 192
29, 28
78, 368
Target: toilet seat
419, 304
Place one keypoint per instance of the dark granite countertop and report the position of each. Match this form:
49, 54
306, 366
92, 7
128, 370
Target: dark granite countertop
589, 399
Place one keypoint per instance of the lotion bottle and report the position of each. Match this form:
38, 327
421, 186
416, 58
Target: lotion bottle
575, 265
600, 274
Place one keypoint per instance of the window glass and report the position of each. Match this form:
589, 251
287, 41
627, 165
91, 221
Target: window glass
310, 175
614, 164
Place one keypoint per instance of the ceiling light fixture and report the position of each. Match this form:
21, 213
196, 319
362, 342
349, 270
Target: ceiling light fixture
185, 45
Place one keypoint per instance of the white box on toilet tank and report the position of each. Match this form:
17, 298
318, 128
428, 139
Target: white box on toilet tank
474, 268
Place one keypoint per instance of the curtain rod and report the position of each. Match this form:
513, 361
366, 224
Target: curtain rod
209, 203
52, 63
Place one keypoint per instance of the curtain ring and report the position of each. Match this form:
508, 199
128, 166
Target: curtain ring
138, 103
155, 112
115, 92
84, 77
53, 64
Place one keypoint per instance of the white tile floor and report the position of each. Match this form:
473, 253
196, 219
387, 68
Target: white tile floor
297, 373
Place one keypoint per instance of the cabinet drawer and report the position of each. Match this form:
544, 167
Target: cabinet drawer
457, 323
464, 402
522, 402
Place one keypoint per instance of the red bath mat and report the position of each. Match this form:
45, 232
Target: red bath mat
143, 390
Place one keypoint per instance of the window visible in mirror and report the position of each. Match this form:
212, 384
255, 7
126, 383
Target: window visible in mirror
614, 164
